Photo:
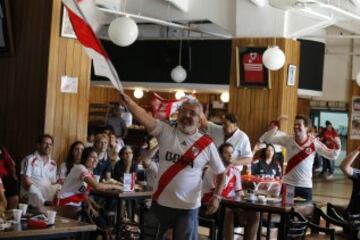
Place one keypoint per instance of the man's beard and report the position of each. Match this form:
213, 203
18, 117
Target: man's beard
186, 126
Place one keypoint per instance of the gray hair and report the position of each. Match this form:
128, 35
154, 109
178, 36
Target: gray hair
192, 102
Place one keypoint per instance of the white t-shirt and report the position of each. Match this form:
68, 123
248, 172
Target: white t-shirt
301, 175
152, 173
41, 174
74, 184
184, 190
232, 183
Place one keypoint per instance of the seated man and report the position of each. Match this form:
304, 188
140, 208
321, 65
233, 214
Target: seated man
232, 188
39, 174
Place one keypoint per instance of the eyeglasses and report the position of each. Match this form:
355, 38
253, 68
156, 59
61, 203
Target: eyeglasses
192, 113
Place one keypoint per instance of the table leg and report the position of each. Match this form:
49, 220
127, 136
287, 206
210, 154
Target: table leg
221, 223
260, 226
268, 227
142, 219
282, 227
118, 219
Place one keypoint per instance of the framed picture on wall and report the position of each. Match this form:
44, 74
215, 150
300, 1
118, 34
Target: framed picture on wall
6, 38
66, 27
291, 75
250, 70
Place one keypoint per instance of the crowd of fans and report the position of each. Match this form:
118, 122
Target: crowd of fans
101, 162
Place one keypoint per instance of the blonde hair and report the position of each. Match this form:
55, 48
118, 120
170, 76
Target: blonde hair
101, 136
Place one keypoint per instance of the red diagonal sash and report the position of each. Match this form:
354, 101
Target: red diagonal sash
299, 157
187, 158
229, 187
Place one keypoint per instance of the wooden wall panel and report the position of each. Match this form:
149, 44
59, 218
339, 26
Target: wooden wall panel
23, 77
303, 106
257, 107
66, 114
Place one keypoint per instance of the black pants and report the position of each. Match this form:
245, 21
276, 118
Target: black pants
305, 193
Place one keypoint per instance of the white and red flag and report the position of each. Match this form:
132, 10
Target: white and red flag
162, 108
86, 20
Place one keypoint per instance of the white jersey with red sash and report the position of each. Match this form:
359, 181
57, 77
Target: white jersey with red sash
232, 183
74, 190
182, 159
300, 157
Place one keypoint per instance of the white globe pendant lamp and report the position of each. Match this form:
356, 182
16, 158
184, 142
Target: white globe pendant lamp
273, 58
358, 79
123, 31
178, 73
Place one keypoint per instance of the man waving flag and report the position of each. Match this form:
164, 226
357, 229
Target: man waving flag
85, 20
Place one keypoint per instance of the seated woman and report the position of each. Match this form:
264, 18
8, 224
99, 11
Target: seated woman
77, 185
9, 178
232, 188
3, 201
267, 166
125, 164
73, 157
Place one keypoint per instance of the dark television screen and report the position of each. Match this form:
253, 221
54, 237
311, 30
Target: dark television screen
206, 61
311, 65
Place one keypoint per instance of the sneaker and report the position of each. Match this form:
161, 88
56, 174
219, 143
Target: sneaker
329, 177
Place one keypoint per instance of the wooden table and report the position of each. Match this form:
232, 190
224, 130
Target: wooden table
270, 208
121, 196
63, 228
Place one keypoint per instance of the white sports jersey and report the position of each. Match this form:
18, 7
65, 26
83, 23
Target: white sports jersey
239, 140
278, 147
301, 175
41, 174
74, 187
232, 183
184, 190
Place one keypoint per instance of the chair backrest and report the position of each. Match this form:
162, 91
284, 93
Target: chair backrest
296, 227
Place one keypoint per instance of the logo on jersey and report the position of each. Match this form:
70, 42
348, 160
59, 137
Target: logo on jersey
195, 151
308, 150
82, 189
176, 158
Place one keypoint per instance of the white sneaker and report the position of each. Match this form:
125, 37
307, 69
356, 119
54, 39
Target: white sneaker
329, 177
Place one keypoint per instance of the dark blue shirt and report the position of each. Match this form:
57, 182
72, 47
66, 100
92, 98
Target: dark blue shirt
354, 205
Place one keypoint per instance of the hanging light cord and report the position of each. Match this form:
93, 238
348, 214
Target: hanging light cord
180, 51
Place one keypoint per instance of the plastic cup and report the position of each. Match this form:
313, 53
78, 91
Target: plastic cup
51, 216
23, 207
97, 178
17, 215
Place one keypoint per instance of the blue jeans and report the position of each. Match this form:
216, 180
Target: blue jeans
184, 222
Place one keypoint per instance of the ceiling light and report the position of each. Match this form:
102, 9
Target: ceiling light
138, 93
178, 74
179, 94
273, 58
123, 31
225, 97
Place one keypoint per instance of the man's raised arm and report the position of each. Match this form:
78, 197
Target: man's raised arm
139, 113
